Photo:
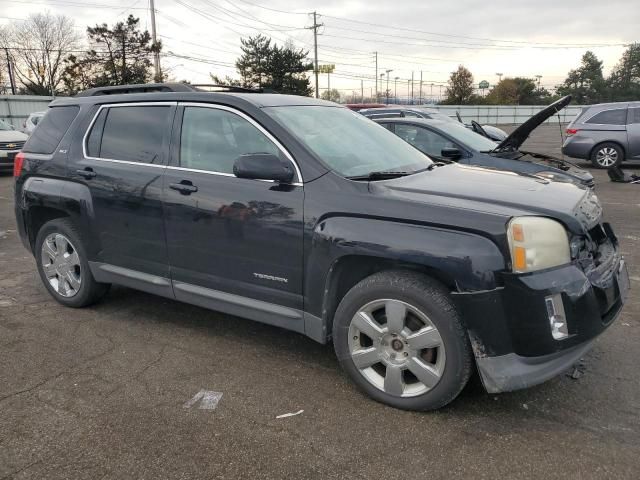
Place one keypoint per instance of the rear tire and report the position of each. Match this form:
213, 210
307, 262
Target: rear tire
607, 155
63, 265
399, 337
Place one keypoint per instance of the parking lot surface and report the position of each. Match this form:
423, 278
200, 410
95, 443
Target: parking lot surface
103, 392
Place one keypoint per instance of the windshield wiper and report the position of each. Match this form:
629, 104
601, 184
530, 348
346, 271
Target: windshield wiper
381, 175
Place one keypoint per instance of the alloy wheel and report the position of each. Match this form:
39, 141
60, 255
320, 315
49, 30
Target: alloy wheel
396, 348
607, 157
61, 265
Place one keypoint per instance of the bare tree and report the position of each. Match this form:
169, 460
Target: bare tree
39, 47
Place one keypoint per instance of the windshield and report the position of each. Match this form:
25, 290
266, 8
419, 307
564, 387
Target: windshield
347, 142
5, 126
468, 137
441, 116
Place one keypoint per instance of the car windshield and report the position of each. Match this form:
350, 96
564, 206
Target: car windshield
347, 142
468, 137
441, 116
5, 126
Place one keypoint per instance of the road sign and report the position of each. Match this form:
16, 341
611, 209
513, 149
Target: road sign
483, 84
326, 68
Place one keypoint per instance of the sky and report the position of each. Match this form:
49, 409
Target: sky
512, 37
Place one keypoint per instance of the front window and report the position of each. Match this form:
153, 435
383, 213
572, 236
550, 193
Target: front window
467, 137
347, 142
423, 139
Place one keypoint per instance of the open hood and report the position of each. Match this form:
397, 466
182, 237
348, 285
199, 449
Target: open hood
520, 134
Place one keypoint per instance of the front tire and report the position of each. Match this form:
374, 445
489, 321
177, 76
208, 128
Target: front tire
607, 155
63, 265
398, 336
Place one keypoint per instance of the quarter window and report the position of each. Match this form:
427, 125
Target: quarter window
423, 139
635, 115
133, 134
54, 125
610, 117
212, 139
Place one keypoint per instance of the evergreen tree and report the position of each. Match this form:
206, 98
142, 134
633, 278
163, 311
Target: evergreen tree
460, 89
120, 55
586, 83
624, 81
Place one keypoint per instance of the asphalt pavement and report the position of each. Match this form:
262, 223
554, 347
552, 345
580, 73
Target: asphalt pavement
122, 390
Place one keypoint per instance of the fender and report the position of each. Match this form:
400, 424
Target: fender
470, 261
71, 198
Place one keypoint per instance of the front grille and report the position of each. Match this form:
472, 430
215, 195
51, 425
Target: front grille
11, 145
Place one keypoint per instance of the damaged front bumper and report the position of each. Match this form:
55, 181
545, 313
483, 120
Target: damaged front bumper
510, 327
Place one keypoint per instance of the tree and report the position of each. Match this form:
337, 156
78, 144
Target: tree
267, 66
517, 91
624, 81
38, 47
118, 56
227, 80
586, 83
460, 87
332, 95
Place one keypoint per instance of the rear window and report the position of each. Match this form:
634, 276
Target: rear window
51, 129
610, 117
133, 134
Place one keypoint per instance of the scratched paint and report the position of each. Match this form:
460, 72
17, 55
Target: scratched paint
205, 399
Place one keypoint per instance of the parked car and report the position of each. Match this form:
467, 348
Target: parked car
451, 141
31, 122
11, 141
302, 214
489, 131
607, 134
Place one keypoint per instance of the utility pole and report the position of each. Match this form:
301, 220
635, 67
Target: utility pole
376, 54
387, 92
431, 94
538, 77
420, 101
156, 55
361, 91
315, 27
10, 72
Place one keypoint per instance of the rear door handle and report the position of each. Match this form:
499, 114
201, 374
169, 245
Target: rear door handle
185, 187
86, 173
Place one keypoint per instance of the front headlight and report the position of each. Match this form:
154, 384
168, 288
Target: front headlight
537, 243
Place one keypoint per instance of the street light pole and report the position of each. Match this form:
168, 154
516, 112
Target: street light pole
395, 81
538, 77
499, 76
387, 92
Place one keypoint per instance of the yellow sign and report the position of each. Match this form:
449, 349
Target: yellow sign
326, 68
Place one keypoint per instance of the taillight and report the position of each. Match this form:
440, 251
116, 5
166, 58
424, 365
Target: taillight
572, 131
17, 164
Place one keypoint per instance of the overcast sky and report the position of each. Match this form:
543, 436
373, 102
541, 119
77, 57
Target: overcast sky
514, 37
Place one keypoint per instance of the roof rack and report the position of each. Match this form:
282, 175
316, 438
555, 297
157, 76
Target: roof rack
162, 87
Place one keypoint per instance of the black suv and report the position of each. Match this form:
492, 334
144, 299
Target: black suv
305, 215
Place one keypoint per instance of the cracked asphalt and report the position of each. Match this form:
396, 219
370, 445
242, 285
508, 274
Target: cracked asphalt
99, 393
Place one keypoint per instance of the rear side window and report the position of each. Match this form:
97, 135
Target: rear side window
634, 116
52, 128
132, 134
610, 117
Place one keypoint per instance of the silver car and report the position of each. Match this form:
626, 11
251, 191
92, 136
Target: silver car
607, 134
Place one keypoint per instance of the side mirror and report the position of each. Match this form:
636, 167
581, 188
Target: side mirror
451, 153
263, 166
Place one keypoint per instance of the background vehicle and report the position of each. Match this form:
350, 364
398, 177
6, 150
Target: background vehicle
356, 107
450, 141
302, 214
11, 141
489, 131
31, 122
607, 134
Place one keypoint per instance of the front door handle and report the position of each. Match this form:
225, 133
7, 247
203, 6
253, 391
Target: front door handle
185, 187
87, 173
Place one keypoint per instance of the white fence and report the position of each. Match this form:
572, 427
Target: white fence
15, 109
505, 114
